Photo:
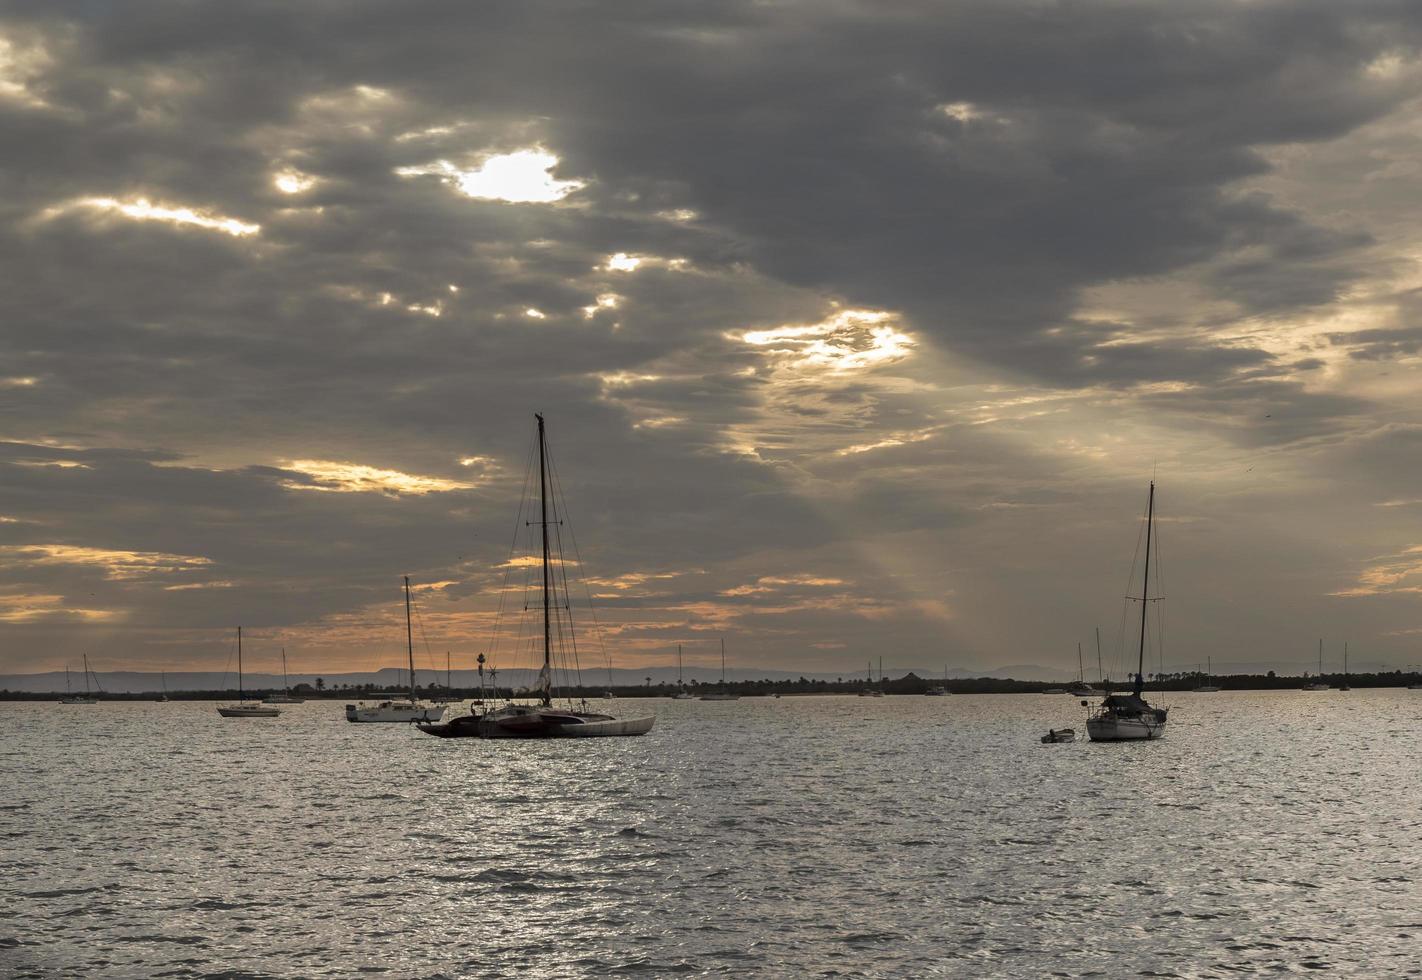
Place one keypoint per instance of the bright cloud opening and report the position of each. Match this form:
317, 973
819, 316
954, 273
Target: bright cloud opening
141, 209
291, 181
521, 177
848, 341
339, 477
115, 564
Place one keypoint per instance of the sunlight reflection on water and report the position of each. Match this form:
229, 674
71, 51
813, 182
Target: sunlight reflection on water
803, 836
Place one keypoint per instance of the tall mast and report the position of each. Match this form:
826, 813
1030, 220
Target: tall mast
66, 678
446, 671
1145, 591
240, 695
723, 661
1320, 657
1100, 670
1080, 670
409, 639
285, 684
543, 523
678, 667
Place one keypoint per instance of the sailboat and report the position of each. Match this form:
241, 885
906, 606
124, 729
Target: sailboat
1128, 717
940, 690
1318, 685
163, 681
721, 694
1207, 687
86, 697
409, 708
543, 720
448, 696
682, 694
869, 690
244, 708
286, 697
1344, 686
1081, 689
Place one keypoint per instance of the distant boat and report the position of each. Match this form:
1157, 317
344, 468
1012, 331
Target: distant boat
86, 697
1081, 689
1344, 686
1055, 690
939, 690
543, 720
409, 708
1059, 735
870, 691
1207, 687
163, 681
681, 692
1128, 717
286, 697
1318, 685
721, 694
244, 708
448, 696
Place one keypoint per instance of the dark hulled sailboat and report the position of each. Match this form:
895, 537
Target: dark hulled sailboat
542, 720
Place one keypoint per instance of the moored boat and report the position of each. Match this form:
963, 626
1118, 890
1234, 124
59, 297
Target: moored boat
1129, 717
1059, 735
517, 720
86, 697
244, 708
394, 710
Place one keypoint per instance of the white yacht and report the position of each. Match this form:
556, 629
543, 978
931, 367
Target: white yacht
409, 708
244, 708
1128, 717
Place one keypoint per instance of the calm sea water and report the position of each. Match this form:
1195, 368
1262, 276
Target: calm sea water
904, 836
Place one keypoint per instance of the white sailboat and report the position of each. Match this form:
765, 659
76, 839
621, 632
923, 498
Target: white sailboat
682, 694
1318, 685
1081, 689
409, 708
448, 696
244, 708
543, 720
86, 697
286, 697
870, 691
939, 690
1128, 717
721, 694
1207, 687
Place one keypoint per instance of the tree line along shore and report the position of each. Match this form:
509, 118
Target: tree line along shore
909, 684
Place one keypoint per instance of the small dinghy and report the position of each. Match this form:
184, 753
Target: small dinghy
1059, 735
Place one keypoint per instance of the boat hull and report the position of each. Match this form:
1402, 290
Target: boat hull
1057, 735
1124, 729
237, 711
393, 713
538, 724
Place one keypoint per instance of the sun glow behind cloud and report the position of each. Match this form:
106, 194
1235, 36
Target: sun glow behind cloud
851, 340
115, 564
522, 177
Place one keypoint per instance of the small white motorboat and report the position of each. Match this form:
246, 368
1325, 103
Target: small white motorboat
1059, 735
245, 708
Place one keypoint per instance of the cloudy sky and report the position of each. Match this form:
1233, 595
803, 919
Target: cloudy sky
860, 328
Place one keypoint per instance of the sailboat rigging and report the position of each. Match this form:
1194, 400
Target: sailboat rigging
1320, 684
682, 694
543, 720
244, 708
1208, 686
1128, 717
1081, 689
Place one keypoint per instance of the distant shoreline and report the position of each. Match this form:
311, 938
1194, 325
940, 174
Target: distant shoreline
909, 685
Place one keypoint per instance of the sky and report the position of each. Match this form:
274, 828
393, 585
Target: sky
860, 328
